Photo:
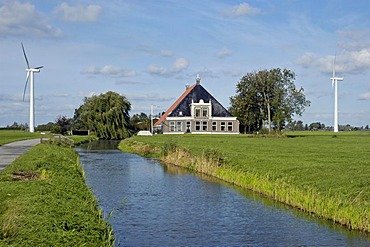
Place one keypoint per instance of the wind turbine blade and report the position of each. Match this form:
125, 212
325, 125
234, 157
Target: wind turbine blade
335, 57
25, 86
40, 67
25, 56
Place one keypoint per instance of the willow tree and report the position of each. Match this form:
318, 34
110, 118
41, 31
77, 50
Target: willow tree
267, 98
106, 114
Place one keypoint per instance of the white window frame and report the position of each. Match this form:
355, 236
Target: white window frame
179, 126
205, 112
204, 126
172, 126
223, 126
197, 126
197, 112
214, 126
230, 126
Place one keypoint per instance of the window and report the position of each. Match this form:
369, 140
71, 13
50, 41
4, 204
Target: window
214, 126
197, 112
179, 126
197, 126
205, 126
188, 127
223, 126
230, 126
204, 112
172, 126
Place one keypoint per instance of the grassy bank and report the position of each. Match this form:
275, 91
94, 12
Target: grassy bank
320, 173
83, 139
44, 201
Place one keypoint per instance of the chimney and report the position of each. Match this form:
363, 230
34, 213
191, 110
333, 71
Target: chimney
187, 86
197, 79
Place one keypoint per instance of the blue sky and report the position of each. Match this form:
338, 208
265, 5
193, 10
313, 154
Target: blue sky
149, 50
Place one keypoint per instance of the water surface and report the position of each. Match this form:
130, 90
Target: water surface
159, 205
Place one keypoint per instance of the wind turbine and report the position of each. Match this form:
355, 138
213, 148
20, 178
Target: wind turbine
30, 72
334, 83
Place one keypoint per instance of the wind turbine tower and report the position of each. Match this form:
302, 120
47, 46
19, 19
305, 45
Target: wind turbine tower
30, 76
334, 83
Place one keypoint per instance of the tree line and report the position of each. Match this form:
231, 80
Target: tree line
106, 115
318, 126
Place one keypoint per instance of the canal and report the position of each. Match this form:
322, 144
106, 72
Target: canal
151, 204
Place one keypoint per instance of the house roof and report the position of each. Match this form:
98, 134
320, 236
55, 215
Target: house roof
193, 94
174, 105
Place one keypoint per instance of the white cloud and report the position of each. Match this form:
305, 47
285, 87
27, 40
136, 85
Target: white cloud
79, 13
167, 53
126, 82
109, 70
61, 95
87, 94
354, 39
353, 62
149, 97
179, 65
364, 96
155, 69
240, 10
8, 110
224, 52
207, 73
10, 98
18, 19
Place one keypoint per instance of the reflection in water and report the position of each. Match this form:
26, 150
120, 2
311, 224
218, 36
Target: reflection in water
101, 145
174, 170
166, 206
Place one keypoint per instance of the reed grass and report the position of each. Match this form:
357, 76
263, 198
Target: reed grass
319, 173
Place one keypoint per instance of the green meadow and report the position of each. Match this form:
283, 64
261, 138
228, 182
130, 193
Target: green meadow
7, 136
322, 173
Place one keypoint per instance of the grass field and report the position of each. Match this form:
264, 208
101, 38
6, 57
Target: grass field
7, 136
319, 172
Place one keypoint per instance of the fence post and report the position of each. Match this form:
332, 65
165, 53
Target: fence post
42, 133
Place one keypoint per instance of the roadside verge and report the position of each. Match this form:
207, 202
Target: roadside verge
44, 201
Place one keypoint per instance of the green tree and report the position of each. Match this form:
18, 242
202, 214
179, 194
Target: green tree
46, 127
296, 125
267, 98
62, 125
247, 104
106, 114
315, 126
140, 122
